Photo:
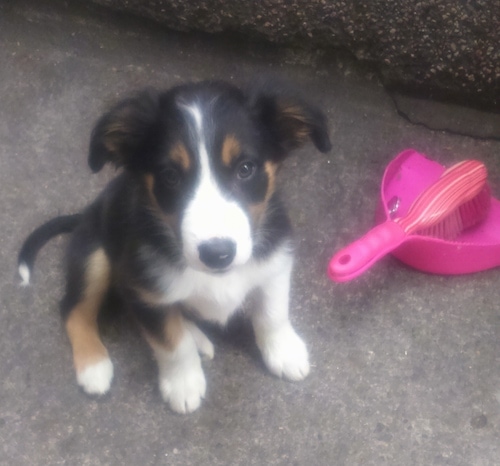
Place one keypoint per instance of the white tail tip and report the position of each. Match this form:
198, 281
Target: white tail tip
24, 273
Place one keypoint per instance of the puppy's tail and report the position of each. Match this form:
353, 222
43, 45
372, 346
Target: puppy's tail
36, 240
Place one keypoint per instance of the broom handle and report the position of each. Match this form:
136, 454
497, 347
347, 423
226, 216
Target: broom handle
359, 256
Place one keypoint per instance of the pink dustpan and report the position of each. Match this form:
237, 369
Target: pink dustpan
475, 249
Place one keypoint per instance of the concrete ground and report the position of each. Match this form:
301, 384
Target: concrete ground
406, 366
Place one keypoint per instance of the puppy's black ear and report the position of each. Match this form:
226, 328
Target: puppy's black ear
127, 133
287, 119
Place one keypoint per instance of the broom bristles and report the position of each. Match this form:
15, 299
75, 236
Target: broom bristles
467, 215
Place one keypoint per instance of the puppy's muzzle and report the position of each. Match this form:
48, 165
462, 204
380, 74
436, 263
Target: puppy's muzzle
217, 253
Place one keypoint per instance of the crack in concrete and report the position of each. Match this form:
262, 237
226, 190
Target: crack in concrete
417, 122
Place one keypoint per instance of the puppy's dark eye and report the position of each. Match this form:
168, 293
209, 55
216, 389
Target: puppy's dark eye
246, 170
171, 177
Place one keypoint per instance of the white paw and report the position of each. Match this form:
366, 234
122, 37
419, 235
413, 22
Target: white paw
203, 344
96, 379
184, 387
284, 353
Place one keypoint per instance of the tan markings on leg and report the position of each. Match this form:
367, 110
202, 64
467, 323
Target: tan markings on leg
152, 298
257, 210
81, 323
173, 331
180, 155
230, 149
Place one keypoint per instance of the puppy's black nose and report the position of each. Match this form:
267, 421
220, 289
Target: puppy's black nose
217, 253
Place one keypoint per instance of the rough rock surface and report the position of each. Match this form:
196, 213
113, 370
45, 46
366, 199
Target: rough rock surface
439, 48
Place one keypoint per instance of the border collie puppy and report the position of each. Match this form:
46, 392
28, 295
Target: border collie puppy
190, 227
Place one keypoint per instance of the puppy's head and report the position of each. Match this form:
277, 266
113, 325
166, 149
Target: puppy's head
208, 155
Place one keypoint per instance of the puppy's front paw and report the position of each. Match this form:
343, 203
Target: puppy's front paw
96, 378
284, 353
184, 387
204, 345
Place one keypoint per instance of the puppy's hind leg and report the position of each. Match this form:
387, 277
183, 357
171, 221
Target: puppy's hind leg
88, 282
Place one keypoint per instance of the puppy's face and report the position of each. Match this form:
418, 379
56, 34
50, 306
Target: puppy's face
207, 154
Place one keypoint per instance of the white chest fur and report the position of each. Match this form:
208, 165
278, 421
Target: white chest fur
217, 297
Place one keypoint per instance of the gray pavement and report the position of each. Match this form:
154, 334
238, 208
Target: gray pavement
405, 366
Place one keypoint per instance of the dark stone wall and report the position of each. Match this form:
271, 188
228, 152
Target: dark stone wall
441, 48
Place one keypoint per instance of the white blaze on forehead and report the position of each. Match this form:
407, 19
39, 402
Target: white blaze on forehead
194, 111
210, 214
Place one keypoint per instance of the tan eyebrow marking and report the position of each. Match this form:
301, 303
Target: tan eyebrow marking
179, 154
230, 149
